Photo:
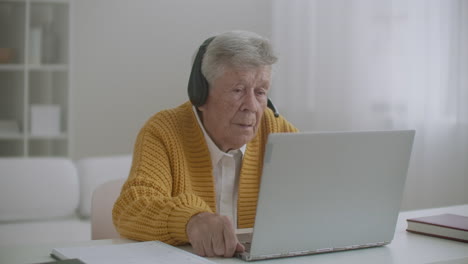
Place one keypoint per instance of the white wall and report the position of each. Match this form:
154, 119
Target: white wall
132, 59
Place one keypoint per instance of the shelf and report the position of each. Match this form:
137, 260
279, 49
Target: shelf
11, 67
11, 136
12, 28
49, 67
48, 137
50, 1
47, 147
20, 136
34, 77
11, 148
35, 67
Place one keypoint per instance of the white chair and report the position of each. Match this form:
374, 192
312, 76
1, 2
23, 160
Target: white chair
102, 202
94, 171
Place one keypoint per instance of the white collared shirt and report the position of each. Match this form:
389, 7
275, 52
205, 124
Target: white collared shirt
226, 173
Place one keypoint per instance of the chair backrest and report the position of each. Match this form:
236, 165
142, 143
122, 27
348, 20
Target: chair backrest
102, 202
94, 171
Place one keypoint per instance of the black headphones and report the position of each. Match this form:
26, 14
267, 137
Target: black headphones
198, 85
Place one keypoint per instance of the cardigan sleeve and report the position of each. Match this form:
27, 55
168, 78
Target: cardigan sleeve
146, 208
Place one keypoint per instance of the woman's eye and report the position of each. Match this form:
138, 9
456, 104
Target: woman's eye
261, 92
238, 89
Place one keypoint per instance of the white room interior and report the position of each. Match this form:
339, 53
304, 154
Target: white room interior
360, 65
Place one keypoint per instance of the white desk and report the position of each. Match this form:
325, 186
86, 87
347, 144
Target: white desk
405, 248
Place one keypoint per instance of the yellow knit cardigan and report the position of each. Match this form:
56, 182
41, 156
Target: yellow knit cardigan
171, 177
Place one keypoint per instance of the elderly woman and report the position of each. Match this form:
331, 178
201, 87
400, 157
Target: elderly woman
196, 168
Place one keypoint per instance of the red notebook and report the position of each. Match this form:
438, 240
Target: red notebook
449, 226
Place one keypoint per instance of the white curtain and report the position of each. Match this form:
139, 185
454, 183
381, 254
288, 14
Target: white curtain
382, 64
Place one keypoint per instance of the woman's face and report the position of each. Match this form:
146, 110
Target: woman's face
235, 106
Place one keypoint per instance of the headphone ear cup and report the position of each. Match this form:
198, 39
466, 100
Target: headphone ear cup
198, 85
197, 89
203, 91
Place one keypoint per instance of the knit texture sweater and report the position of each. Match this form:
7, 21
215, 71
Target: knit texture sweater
171, 177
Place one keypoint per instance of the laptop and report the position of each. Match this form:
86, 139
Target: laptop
328, 191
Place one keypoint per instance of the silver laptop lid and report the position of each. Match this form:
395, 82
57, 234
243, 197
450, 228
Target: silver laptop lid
330, 190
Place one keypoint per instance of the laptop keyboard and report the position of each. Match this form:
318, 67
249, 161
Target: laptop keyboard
247, 246
245, 239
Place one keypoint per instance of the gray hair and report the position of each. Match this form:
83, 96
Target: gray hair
238, 49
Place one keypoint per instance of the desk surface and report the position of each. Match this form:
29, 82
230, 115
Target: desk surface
405, 248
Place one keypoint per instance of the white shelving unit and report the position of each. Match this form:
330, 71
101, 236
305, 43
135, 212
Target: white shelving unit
34, 77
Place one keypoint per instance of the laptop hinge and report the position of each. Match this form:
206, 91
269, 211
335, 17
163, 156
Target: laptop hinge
316, 251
